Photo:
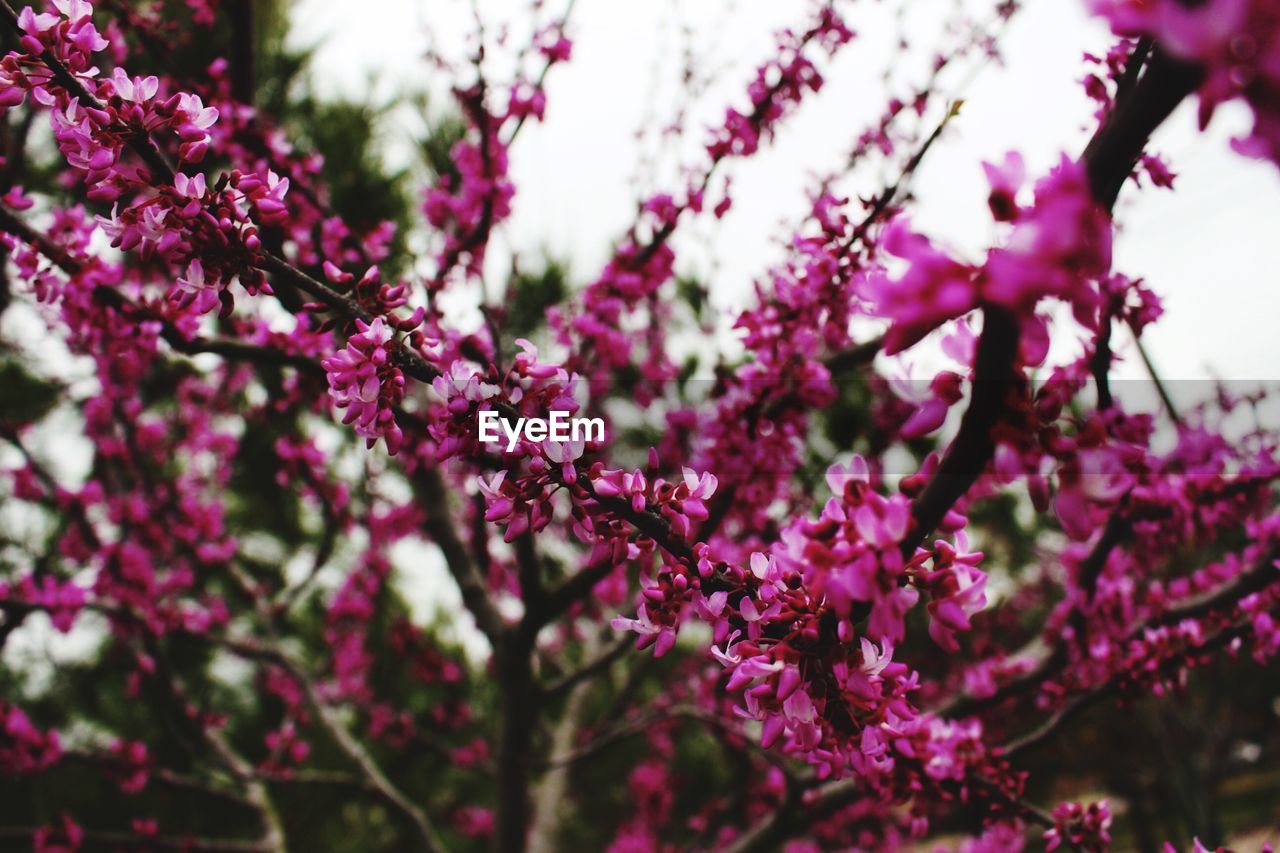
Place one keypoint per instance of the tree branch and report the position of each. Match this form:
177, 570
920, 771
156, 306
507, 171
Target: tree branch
570, 591
1112, 686
517, 712
551, 800
593, 667
1109, 159
243, 38
475, 594
1262, 575
428, 839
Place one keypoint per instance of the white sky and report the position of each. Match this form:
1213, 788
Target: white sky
1209, 248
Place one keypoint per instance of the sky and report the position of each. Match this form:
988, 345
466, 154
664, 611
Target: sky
1208, 249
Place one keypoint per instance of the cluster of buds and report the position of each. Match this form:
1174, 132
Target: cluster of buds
366, 384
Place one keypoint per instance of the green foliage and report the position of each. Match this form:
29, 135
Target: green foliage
848, 420
443, 132
529, 294
1007, 540
694, 292
24, 397
256, 500
280, 69
362, 191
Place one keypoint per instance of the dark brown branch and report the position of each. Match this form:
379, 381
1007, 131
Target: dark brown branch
1115, 149
973, 446
517, 714
51, 250
243, 38
1113, 534
236, 350
593, 667
1100, 361
529, 562
1075, 705
570, 591
1263, 574
1109, 160
434, 500
854, 357
1132, 70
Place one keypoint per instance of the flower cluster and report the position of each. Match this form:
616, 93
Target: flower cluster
1235, 42
779, 85
466, 207
1083, 827
1058, 247
133, 768
470, 200
23, 747
755, 434
644, 261
61, 600
365, 382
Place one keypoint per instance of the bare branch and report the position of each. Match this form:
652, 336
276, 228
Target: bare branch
593, 667
243, 37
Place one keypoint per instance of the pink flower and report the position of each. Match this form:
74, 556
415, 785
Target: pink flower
134, 768
932, 289
136, 89
189, 187
192, 291
1058, 248
364, 381
553, 45
1084, 828
565, 454
64, 837
23, 747
661, 637
35, 24
75, 11
474, 822
839, 476
1005, 179
957, 588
